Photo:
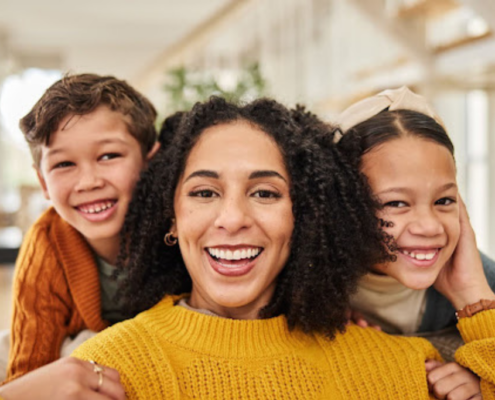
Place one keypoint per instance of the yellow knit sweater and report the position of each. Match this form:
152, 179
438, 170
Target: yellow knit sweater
170, 352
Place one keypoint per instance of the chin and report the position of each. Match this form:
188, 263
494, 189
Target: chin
418, 283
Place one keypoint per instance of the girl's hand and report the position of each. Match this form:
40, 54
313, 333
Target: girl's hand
462, 280
357, 318
65, 379
452, 381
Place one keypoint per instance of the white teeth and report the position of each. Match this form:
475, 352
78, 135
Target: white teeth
96, 209
420, 256
234, 255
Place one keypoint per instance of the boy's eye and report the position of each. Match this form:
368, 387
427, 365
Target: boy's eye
205, 193
63, 164
109, 156
395, 204
266, 194
445, 201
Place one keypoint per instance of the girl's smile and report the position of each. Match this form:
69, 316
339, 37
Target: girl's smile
415, 180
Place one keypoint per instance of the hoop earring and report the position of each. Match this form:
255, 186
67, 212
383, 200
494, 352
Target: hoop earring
170, 239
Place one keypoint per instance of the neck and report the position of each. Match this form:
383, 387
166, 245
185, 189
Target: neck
107, 249
247, 311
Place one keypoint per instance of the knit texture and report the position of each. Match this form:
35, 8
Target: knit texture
56, 293
170, 352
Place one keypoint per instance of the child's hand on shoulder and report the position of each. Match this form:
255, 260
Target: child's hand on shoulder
357, 318
451, 381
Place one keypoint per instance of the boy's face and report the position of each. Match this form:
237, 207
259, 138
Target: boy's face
89, 170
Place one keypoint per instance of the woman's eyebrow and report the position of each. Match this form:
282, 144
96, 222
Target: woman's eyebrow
266, 174
206, 173
203, 173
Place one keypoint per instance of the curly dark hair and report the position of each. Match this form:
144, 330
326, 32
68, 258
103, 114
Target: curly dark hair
336, 234
81, 94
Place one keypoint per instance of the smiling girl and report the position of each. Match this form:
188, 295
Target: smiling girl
402, 148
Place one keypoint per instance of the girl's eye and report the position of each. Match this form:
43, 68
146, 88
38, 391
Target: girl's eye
203, 193
395, 204
266, 194
445, 201
63, 164
109, 156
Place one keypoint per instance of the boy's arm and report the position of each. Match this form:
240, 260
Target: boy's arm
41, 312
478, 354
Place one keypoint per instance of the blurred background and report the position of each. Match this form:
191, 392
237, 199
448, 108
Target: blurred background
324, 53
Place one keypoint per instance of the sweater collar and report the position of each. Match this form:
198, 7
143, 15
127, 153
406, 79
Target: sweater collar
221, 336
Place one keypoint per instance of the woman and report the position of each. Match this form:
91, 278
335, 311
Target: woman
268, 228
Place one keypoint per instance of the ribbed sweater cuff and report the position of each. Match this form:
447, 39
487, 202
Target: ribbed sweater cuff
478, 327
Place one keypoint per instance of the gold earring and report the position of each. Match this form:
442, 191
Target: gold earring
170, 239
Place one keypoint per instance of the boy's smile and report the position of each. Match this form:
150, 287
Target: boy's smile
89, 170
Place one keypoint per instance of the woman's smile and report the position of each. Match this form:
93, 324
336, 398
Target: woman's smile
234, 219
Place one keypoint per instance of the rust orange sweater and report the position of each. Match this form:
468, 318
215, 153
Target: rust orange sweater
56, 293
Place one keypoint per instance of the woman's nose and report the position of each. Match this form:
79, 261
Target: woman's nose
234, 214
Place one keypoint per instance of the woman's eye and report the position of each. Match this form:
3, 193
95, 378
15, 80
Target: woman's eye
109, 156
395, 204
203, 193
63, 164
445, 201
266, 194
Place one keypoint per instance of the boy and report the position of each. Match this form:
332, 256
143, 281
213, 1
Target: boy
90, 136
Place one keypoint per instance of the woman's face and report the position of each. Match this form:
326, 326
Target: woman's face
234, 219
415, 180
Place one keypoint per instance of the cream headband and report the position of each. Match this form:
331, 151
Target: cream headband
393, 99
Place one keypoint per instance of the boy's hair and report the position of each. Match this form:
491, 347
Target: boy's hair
82, 94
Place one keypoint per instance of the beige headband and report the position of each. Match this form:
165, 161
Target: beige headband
393, 99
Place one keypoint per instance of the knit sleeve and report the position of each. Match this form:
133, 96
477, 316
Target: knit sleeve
478, 354
41, 310
130, 349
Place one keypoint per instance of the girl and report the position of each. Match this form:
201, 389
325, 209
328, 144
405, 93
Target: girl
266, 230
401, 146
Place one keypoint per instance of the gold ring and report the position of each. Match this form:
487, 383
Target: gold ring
98, 369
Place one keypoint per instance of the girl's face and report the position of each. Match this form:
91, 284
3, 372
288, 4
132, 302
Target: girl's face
234, 219
415, 180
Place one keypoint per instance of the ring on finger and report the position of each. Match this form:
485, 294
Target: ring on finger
98, 369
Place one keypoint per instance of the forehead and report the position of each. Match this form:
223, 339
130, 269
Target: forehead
417, 159
235, 146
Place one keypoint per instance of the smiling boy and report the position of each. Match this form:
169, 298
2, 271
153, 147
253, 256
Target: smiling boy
90, 137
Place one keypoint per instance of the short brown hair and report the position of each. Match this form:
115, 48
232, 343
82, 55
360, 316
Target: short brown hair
81, 94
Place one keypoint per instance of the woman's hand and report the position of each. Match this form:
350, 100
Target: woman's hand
452, 381
462, 280
66, 379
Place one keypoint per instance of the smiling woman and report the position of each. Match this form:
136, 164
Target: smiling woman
267, 229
